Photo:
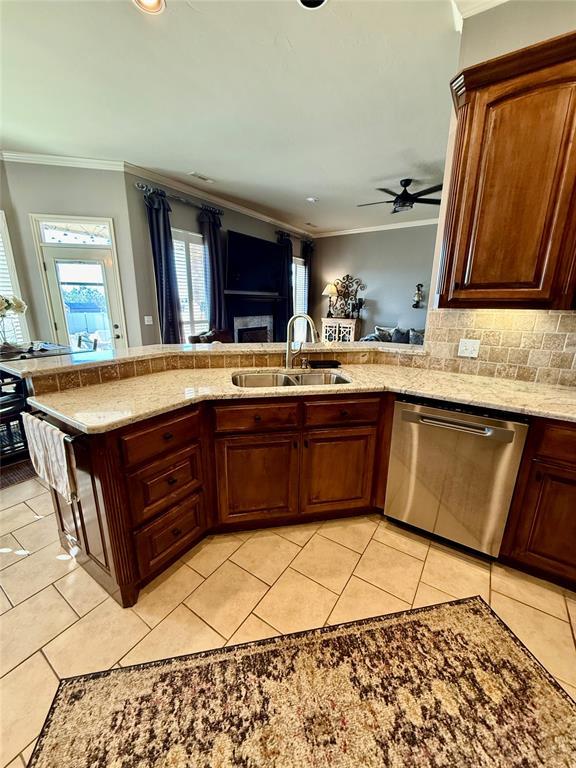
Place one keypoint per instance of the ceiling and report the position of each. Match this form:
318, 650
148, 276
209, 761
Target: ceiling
274, 102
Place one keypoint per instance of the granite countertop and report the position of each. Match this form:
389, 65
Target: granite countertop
104, 407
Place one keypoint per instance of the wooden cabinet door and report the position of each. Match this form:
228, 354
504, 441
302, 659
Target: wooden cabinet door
510, 237
257, 476
543, 527
337, 469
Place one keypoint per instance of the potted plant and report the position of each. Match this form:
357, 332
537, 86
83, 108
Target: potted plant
9, 307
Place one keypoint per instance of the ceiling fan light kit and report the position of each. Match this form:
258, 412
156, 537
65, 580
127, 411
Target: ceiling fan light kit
404, 200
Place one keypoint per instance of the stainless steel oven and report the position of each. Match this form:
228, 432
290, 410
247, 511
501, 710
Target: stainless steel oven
452, 471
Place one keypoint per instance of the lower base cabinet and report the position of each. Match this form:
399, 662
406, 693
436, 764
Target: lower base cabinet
257, 476
541, 533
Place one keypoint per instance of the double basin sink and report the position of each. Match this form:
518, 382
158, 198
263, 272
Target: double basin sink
288, 379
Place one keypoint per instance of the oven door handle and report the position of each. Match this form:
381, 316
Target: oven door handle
478, 430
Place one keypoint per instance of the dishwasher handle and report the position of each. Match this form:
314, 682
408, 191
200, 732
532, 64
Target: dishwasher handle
487, 431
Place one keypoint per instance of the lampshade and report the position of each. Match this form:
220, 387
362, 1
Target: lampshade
330, 290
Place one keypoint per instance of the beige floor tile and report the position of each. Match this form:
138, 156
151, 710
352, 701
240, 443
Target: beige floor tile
162, 595
211, 553
426, 595
181, 632
96, 641
570, 689
550, 639
5, 604
527, 589
361, 600
15, 494
571, 605
38, 534
25, 697
391, 570
297, 534
27, 753
351, 532
455, 573
15, 517
327, 562
295, 603
30, 625
226, 598
252, 629
399, 538
244, 535
81, 591
35, 572
265, 555
42, 505
11, 551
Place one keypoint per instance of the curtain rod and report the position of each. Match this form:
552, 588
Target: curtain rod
147, 189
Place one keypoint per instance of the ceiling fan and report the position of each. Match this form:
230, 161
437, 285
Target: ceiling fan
405, 200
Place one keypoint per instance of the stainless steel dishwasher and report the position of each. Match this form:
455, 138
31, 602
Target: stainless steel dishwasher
452, 471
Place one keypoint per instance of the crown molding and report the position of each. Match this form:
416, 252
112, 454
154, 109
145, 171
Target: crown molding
63, 162
381, 228
203, 196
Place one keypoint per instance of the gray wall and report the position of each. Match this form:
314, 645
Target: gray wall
49, 189
512, 25
389, 262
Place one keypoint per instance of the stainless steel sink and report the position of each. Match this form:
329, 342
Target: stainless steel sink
287, 379
263, 380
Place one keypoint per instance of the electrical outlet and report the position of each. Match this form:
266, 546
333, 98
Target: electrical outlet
148, 320
468, 347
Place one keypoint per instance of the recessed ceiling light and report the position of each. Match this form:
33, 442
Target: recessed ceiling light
312, 199
201, 177
150, 6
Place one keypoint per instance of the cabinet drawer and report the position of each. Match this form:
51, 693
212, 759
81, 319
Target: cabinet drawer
556, 441
326, 412
161, 484
167, 435
254, 418
175, 531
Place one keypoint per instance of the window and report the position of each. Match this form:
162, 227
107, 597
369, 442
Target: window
75, 233
14, 325
193, 282
300, 296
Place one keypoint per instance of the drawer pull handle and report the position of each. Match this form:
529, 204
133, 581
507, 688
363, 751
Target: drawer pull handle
257, 417
172, 480
176, 532
344, 413
167, 436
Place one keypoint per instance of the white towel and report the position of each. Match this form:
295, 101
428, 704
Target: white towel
48, 454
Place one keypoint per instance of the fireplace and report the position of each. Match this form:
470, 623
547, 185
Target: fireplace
254, 329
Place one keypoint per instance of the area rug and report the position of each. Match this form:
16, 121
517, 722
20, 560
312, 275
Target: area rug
10, 474
444, 686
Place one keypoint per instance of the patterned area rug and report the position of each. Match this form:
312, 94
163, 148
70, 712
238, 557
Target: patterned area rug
11, 474
445, 686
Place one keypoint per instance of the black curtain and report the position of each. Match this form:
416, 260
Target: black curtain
306, 252
158, 211
285, 242
210, 225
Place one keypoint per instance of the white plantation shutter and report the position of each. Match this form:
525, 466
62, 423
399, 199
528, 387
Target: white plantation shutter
15, 326
193, 282
300, 296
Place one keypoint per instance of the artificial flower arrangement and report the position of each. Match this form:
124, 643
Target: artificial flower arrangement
9, 306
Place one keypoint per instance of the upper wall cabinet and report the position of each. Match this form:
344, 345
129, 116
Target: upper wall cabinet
510, 235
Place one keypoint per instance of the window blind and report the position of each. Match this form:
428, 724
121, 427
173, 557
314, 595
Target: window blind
14, 325
193, 282
300, 296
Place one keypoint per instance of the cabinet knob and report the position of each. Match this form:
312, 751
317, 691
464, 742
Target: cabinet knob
176, 532
167, 436
295, 444
257, 417
344, 413
172, 481
305, 443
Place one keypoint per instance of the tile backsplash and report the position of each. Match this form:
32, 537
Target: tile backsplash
527, 345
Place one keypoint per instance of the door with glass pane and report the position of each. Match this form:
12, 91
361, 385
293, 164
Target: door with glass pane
82, 284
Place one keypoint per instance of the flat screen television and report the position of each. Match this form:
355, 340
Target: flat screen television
253, 265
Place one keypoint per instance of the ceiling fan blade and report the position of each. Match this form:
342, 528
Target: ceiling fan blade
380, 202
429, 201
427, 191
388, 191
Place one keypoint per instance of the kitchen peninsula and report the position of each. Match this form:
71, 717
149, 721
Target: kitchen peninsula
166, 449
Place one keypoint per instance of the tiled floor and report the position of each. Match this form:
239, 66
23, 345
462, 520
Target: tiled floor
56, 621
